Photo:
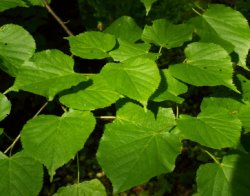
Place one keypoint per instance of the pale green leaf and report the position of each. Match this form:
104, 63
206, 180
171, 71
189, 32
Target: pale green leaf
86, 188
169, 89
5, 106
212, 128
207, 64
20, 175
128, 50
125, 28
147, 4
228, 178
165, 34
136, 78
91, 45
227, 27
54, 140
136, 146
16, 46
93, 94
48, 73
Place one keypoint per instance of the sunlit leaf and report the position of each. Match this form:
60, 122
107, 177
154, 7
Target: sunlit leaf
5, 106
55, 140
138, 146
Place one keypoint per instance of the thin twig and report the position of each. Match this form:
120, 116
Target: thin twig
105, 117
78, 168
19, 135
57, 18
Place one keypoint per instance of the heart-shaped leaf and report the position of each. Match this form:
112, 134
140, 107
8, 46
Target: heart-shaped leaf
207, 64
16, 46
212, 127
91, 45
125, 28
54, 140
88, 188
226, 178
163, 33
48, 73
136, 146
227, 27
17, 173
136, 78
5, 106
96, 93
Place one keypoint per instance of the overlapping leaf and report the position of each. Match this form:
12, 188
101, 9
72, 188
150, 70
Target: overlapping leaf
125, 28
147, 4
165, 34
245, 87
86, 188
227, 27
16, 46
227, 178
207, 64
5, 106
18, 173
48, 73
136, 78
136, 146
128, 50
91, 45
55, 140
212, 127
169, 89
96, 93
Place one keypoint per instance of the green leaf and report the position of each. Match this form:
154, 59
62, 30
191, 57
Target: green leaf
136, 146
128, 50
5, 106
245, 87
165, 34
54, 140
91, 45
224, 26
20, 175
244, 116
88, 188
2, 156
147, 4
212, 128
48, 73
1, 131
227, 178
16, 46
169, 89
136, 78
125, 28
207, 64
93, 94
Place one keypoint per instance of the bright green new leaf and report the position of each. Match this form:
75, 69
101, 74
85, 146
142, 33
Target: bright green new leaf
86, 188
147, 4
93, 94
5, 106
207, 64
16, 46
165, 34
227, 27
245, 87
20, 175
48, 73
227, 178
136, 146
91, 45
128, 50
54, 140
125, 28
213, 127
1, 131
169, 89
136, 78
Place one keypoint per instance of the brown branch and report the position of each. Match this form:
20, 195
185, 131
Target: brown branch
57, 18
